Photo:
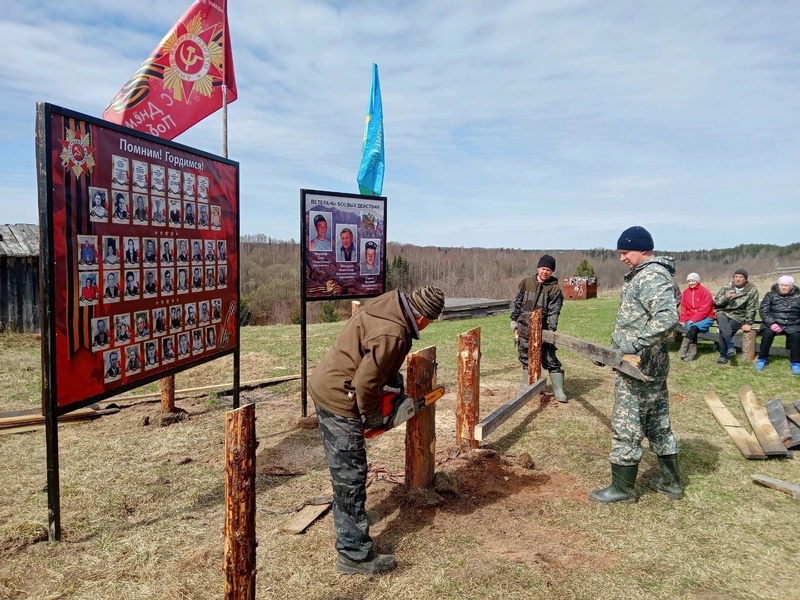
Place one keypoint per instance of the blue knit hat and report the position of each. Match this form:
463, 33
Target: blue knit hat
635, 238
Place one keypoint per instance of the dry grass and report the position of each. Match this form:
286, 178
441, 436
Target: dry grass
142, 506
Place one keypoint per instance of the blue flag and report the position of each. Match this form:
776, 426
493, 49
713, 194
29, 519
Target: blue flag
370, 175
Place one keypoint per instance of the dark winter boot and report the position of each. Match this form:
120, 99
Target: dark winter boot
669, 483
623, 478
691, 352
684, 348
374, 564
557, 379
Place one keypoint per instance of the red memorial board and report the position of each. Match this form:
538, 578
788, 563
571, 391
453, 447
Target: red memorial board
141, 236
344, 245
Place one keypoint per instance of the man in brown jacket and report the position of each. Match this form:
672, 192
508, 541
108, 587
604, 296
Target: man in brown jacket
346, 388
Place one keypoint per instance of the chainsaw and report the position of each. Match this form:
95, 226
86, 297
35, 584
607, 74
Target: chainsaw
397, 409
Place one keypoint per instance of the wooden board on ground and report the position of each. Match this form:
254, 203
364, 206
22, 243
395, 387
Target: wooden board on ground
502, 414
300, 521
776, 484
745, 441
596, 352
777, 416
38, 419
764, 431
793, 423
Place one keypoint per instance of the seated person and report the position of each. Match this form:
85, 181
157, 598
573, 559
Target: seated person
780, 315
736, 306
697, 314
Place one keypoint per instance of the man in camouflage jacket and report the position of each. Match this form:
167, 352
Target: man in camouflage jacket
540, 291
736, 306
646, 317
346, 387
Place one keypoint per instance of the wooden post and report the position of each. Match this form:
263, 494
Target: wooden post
421, 429
240, 504
535, 346
468, 390
749, 344
354, 306
167, 387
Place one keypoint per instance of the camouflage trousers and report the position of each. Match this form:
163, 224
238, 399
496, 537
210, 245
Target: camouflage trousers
641, 409
346, 452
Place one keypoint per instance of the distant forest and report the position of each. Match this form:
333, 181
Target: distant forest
270, 274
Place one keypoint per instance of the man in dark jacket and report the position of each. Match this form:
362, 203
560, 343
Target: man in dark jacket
346, 388
736, 306
542, 292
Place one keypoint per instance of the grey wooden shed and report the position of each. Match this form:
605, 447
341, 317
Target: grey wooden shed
19, 278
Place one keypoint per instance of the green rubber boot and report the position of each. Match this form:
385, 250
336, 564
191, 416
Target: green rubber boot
684, 348
557, 380
669, 483
621, 490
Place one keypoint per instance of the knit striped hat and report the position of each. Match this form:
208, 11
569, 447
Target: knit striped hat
428, 301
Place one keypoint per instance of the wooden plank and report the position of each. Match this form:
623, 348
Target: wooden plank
777, 416
303, 518
777, 484
596, 352
793, 422
745, 441
502, 414
792, 413
39, 427
208, 388
82, 413
764, 431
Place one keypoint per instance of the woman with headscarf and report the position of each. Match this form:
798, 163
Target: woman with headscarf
697, 315
780, 315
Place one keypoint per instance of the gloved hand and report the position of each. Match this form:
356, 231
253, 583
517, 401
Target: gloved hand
395, 384
628, 348
689, 323
776, 328
514, 326
372, 420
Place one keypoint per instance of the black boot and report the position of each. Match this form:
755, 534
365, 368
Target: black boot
623, 479
684, 348
669, 483
374, 564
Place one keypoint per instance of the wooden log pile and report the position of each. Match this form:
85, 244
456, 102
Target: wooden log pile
775, 425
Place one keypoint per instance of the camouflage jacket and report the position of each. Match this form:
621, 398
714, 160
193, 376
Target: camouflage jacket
647, 314
742, 307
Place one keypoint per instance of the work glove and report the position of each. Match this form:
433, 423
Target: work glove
689, 324
373, 419
776, 328
629, 348
395, 384
514, 326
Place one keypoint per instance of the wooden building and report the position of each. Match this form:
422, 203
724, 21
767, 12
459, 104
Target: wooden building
19, 278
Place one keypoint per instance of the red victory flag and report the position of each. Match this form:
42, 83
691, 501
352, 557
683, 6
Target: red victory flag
181, 81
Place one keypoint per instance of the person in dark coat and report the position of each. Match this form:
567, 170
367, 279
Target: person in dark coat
541, 291
346, 387
780, 315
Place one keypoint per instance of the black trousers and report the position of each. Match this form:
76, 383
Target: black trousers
727, 329
768, 336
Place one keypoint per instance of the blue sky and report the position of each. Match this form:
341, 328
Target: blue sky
517, 124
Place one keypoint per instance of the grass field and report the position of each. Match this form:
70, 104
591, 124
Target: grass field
142, 505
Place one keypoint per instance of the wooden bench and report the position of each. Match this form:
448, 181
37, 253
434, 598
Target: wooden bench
749, 343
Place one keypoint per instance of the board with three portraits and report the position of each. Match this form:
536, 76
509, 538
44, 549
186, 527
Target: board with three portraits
141, 242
